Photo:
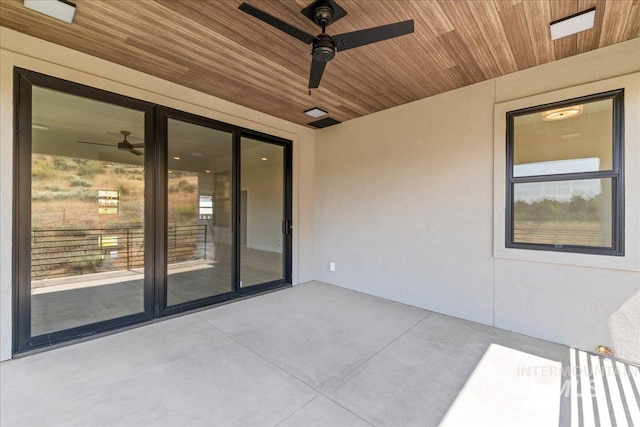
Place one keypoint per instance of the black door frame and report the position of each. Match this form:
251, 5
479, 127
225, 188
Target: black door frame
155, 210
23, 82
287, 209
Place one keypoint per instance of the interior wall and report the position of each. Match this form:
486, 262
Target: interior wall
20, 50
263, 185
410, 206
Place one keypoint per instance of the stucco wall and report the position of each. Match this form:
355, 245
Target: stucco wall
410, 207
19, 50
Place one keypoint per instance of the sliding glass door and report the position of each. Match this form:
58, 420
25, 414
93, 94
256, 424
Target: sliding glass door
199, 215
127, 211
264, 219
83, 182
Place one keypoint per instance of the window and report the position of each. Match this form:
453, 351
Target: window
564, 176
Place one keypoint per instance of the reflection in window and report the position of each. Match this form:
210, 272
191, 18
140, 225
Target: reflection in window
199, 236
87, 212
576, 212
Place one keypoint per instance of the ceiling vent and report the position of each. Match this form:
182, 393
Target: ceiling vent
323, 123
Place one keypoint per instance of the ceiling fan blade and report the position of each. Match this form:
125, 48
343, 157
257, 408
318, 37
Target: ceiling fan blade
136, 152
317, 68
279, 24
95, 143
372, 35
137, 145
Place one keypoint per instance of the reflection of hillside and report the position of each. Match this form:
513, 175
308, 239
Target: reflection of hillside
88, 217
65, 193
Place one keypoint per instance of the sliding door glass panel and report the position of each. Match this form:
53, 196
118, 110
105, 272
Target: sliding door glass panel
87, 211
199, 234
261, 212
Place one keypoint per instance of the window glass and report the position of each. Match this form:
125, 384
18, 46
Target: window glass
199, 242
563, 212
87, 211
553, 142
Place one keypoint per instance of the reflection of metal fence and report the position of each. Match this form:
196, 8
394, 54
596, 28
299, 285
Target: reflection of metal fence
70, 252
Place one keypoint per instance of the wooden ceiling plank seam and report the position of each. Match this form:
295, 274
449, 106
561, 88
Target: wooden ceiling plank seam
615, 20
487, 19
516, 29
589, 39
632, 29
538, 15
481, 60
469, 70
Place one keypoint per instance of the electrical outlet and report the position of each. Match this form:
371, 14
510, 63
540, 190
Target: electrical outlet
332, 266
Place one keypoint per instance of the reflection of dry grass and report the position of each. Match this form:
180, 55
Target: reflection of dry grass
563, 233
65, 194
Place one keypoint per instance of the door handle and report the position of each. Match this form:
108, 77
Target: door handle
286, 227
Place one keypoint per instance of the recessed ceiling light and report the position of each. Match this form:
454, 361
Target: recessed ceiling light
562, 113
316, 112
176, 157
264, 159
208, 171
170, 171
197, 154
59, 9
41, 127
573, 24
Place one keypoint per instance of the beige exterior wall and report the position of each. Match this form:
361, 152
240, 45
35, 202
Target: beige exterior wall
20, 50
410, 206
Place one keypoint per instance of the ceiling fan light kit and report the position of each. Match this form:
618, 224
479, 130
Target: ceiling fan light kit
324, 46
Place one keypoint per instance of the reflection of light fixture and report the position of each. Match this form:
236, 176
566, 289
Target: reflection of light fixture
315, 112
573, 24
570, 135
59, 9
562, 113
264, 159
208, 171
170, 171
176, 157
41, 127
196, 154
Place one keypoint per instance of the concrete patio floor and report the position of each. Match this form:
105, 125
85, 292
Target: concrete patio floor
317, 355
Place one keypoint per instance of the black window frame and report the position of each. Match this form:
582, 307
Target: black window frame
616, 174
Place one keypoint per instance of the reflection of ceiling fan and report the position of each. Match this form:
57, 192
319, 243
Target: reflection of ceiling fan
124, 145
323, 13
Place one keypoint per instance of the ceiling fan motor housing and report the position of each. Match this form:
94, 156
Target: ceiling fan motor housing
323, 15
324, 49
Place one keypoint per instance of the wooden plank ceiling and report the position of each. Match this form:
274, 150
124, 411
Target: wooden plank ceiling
211, 46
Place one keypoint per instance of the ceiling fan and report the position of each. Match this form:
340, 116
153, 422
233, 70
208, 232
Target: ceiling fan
124, 145
324, 13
